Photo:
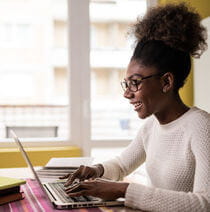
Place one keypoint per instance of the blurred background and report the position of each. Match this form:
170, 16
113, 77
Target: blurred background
35, 85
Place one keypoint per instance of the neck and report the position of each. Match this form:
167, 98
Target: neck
173, 110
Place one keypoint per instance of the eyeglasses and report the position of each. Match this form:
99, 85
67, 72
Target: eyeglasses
133, 84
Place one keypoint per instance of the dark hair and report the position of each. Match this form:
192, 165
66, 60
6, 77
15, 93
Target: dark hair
166, 38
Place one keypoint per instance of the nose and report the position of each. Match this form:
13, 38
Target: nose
128, 94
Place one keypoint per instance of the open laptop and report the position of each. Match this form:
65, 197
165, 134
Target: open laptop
55, 190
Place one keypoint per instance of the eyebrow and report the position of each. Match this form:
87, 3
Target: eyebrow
133, 75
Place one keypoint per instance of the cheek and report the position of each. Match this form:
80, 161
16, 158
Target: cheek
151, 97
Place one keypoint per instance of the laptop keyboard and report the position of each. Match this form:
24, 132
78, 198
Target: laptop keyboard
59, 189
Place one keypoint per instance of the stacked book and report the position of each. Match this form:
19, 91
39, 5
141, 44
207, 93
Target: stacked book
10, 189
57, 167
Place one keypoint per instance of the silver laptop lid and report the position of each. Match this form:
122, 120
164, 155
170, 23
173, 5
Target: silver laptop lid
61, 205
25, 156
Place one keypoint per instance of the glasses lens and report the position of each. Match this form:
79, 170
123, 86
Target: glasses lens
124, 85
133, 86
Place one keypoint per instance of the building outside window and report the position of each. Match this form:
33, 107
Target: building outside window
34, 73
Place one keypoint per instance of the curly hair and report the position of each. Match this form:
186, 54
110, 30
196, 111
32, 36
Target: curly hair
178, 26
166, 38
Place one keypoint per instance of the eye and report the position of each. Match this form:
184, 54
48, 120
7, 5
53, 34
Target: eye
135, 81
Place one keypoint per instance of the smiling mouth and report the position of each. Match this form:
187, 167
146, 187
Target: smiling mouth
137, 105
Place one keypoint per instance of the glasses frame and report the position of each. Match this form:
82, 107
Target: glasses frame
125, 85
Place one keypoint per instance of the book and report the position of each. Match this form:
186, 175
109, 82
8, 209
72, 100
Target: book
73, 162
8, 182
50, 174
11, 190
11, 197
57, 167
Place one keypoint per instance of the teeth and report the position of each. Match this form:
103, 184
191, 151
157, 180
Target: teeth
137, 104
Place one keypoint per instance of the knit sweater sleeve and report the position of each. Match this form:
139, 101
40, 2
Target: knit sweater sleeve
131, 158
158, 199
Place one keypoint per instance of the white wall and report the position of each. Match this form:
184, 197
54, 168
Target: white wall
202, 75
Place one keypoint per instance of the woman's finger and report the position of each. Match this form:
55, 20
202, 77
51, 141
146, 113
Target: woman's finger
78, 187
74, 175
74, 188
77, 194
64, 177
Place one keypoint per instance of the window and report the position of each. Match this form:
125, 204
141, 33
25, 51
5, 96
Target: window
14, 34
82, 100
111, 115
33, 69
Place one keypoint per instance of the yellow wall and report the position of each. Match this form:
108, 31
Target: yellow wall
203, 7
39, 156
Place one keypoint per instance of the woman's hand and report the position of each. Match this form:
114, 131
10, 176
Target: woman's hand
83, 173
107, 190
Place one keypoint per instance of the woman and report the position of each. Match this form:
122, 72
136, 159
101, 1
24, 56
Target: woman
175, 140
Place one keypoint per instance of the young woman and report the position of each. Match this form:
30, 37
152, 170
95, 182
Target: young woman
175, 140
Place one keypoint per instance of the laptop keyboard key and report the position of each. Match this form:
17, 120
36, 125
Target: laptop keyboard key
59, 189
79, 199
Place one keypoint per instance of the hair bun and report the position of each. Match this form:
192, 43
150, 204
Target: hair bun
178, 26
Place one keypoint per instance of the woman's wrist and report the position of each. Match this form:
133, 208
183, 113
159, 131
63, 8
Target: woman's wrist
99, 170
122, 188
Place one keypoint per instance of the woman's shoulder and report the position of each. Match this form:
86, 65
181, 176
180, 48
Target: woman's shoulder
199, 125
197, 115
199, 122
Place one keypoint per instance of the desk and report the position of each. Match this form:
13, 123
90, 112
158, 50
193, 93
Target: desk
31, 200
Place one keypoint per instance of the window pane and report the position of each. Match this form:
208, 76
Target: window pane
111, 49
33, 68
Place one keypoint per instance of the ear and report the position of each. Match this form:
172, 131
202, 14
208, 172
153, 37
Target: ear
167, 81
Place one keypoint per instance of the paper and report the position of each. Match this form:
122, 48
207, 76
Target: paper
69, 162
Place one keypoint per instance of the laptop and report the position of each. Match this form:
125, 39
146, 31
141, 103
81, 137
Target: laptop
56, 193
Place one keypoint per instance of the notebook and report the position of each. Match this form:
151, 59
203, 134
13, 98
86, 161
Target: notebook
8, 182
55, 190
10, 189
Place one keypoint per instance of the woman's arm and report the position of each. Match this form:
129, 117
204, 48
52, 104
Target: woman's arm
130, 159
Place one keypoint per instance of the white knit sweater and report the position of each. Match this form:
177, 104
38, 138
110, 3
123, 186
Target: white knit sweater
177, 157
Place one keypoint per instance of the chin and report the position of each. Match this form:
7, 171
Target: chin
143, 115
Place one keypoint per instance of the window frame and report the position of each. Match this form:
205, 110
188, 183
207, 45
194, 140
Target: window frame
79, 115
79, 10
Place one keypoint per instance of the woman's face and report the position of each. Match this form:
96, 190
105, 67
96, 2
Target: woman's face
148, 99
